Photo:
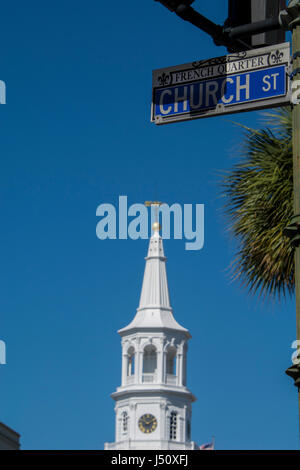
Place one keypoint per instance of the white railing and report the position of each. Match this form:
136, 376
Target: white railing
130, 379
149, 378
158, 444
171, 379
124, 445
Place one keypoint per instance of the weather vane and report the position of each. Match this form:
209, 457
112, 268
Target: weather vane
155, 204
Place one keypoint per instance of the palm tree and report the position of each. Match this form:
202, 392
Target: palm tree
258, 195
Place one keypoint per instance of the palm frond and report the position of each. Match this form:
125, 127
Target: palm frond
258, 195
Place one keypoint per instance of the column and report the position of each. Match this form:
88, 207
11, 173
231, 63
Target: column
179, 368
124, 368
163, 409
160, 364
139, 368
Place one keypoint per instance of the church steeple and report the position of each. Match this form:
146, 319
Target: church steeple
153, 404
155, 292
154, 309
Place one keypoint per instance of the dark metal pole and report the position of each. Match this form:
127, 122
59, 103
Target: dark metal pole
293, 230
296, 176
253, 28
187, 13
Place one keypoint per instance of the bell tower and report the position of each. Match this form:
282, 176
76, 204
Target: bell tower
153, 404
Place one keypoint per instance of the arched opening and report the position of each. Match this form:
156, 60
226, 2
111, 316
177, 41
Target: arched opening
149, 364
188, 430
173, 425
124, 422
149, 359
130, 362
171, 361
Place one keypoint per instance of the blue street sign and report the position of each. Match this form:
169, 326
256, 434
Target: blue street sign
240, 82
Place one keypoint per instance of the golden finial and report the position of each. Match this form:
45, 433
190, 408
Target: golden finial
156, 227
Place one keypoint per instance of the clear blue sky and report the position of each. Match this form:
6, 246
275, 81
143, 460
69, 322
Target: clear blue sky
75, 133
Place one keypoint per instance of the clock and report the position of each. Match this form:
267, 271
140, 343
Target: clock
147, 423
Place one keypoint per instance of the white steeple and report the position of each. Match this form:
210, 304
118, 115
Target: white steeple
153, 404
155, 292
154, 309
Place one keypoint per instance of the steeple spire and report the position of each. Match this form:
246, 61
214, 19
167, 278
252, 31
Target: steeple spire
155, 292
154, 309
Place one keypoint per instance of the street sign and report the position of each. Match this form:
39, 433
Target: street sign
239, 82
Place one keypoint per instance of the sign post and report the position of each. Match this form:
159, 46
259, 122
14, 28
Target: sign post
293, 230
296, 172
239, 82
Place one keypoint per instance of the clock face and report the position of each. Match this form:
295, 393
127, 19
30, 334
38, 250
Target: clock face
147, 423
